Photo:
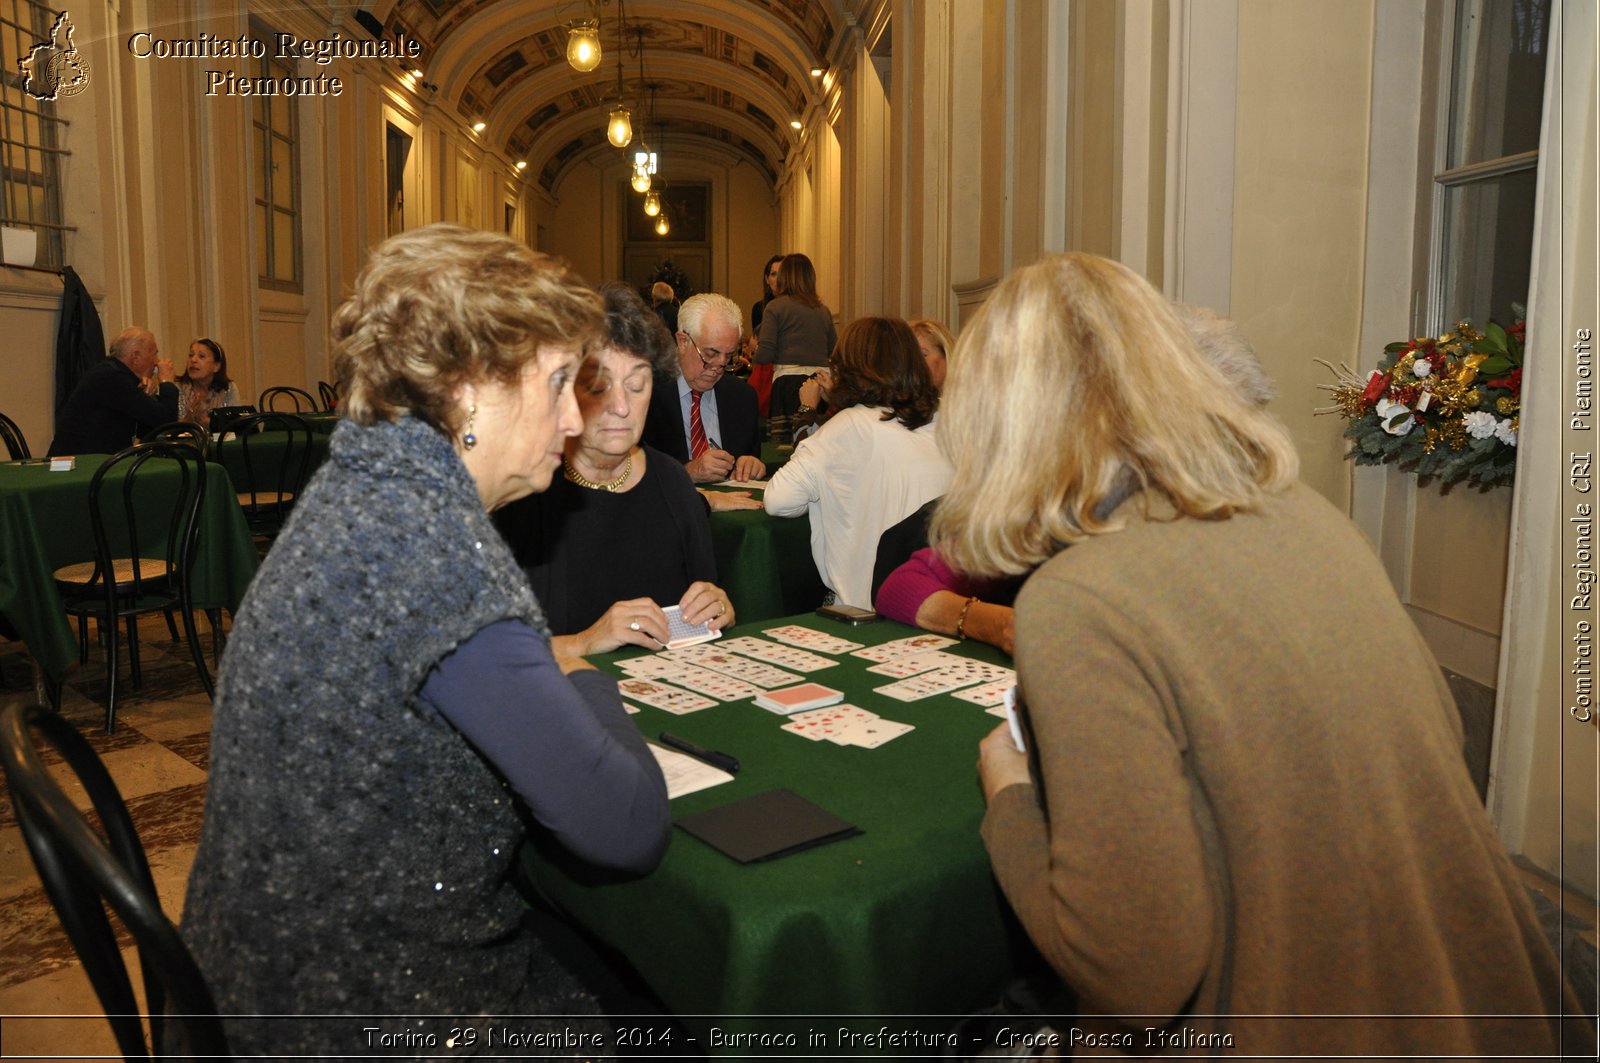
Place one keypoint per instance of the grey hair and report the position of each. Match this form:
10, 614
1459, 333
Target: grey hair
695, 309
129, 339
1224, 345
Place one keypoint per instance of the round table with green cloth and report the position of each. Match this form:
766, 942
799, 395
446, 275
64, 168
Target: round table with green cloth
44, 524
903, 920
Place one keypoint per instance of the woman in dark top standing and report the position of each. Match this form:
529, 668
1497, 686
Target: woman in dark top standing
797, 335
390, 715
622, 532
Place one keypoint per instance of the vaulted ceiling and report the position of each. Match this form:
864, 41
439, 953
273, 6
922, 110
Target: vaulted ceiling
729, 72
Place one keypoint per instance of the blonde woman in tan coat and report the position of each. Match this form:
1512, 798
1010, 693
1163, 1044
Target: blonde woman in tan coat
1250, 828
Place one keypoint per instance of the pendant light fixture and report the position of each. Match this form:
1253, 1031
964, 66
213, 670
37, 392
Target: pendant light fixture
652, 203
641, 178
662, 225
583, 45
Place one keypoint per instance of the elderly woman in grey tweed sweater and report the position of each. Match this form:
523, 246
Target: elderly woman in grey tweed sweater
389, 712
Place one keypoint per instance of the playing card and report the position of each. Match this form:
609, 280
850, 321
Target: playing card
713, 684
660, 696
817, 724
756, 673
912, 664
904, 647
777, 653
986, 693
807, 639
870, 734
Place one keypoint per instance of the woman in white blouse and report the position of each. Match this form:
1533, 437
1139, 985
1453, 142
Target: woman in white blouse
873, 463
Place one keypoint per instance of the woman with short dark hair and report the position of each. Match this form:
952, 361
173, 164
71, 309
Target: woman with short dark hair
623, 532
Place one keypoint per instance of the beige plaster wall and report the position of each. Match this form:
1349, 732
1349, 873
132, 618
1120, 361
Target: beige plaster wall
584, 222
1301, 159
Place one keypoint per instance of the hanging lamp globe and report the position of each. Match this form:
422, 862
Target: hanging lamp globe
662, 228
652, 204
583, 45
619, 130
641, 180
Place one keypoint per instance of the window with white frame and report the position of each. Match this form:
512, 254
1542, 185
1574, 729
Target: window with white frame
276, 174
1486, 176
33, 136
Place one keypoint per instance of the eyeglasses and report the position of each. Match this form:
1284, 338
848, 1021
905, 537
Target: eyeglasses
718, 359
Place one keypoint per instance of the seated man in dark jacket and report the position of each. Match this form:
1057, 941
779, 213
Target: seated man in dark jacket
701, 416
131, 391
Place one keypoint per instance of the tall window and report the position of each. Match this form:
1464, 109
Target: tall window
32, 138
1487, 178
277, 181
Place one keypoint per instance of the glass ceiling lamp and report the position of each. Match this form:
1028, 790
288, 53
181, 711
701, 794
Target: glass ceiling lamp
619, 130
583, 45
641, 179
662, 227
652, 203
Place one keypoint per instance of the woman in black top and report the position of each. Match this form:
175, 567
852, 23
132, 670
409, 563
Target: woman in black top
622, 532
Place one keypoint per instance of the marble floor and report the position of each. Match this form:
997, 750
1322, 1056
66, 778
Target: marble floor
158, 757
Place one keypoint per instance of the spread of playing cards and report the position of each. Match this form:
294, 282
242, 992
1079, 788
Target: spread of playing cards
779, 673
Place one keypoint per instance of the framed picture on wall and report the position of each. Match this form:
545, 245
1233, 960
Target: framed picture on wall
688, 212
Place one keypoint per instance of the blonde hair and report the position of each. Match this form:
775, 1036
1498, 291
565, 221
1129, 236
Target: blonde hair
441, 306
936, 333
1075, 381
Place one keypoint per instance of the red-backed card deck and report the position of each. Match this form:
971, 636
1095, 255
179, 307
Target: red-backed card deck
798, 698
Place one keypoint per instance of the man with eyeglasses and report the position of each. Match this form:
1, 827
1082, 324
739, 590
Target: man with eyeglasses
706, 418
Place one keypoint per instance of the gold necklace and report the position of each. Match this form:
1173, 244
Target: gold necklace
610, 485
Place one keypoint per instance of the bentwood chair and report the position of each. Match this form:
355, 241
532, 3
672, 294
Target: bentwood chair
296, 400
191, 432
329, 394
11, 435
269, 456
84, 872
144, 507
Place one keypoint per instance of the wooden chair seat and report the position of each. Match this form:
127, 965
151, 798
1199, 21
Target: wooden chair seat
264, 498
82, 574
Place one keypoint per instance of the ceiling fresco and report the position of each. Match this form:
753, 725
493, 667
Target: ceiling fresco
726, 72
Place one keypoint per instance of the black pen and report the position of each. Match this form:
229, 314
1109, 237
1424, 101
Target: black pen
711, 757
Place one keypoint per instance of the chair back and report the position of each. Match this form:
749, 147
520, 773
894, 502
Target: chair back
11, 435
330, 395
296, 400
84, 873
269, 458
128, 525
191, 432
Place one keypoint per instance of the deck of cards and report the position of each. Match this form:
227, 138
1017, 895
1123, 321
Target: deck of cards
846, 725
798, 698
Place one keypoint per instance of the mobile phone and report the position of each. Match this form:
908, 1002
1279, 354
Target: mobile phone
848, 613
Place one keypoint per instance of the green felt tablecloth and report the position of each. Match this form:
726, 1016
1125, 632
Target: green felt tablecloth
765, 565
266, 455
903, 920
44, 524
